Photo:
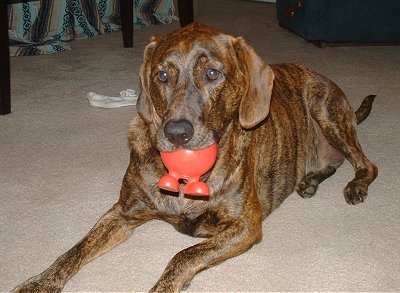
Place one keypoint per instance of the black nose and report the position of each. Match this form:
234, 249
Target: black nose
178, 132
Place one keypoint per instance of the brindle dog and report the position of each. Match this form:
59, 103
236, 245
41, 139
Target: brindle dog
279, 128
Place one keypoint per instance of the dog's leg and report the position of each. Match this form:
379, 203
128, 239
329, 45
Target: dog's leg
309, 184
112, 229
337, 122
344, 139
321, 166
236, 239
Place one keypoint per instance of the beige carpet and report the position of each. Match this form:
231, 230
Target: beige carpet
62, 162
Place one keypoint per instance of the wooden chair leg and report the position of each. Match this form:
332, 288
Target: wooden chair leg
5, 93
126, 7
185, 10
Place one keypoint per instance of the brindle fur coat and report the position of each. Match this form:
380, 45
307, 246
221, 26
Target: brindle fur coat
279, 128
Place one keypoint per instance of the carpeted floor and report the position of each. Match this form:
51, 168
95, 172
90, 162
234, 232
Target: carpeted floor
62, 162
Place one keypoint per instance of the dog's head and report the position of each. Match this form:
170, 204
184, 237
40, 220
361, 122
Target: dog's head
196, 81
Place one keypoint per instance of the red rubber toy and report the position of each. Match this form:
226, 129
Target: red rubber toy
188, 165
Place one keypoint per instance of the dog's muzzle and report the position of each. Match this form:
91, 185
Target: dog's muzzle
178, 132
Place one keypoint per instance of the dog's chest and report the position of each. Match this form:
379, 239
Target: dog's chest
195, 217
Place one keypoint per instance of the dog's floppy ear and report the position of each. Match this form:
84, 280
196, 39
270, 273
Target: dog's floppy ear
254, 106
144, 105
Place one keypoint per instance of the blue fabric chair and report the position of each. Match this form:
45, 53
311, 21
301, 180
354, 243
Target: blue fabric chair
333, 22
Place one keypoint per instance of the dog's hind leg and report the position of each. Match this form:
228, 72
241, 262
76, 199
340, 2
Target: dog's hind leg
323, 162
309, 184
343, 138
337, 122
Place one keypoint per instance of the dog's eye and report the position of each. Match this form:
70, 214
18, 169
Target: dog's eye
163, 76
212, 74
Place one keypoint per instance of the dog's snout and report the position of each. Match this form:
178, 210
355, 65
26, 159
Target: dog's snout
178, 132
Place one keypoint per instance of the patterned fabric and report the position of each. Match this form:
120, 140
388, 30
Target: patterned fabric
46, 26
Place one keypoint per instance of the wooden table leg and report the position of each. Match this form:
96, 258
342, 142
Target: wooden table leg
126, 7
185, 10
5, 93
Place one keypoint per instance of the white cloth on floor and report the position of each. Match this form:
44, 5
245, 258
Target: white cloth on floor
126, 98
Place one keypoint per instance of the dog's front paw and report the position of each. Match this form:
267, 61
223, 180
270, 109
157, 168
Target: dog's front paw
355, 193
37, 285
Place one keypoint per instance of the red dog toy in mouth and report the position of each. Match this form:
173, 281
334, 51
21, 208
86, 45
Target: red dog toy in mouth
188, 165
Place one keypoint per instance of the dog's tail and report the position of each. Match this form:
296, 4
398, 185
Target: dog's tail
364, 109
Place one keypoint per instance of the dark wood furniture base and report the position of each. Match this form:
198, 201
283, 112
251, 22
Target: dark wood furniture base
185, 11
5, 93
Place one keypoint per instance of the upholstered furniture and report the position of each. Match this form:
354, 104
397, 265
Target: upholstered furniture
185, 10
341, 22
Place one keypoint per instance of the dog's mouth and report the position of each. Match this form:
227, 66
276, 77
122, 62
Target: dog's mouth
201, 139
165, 146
